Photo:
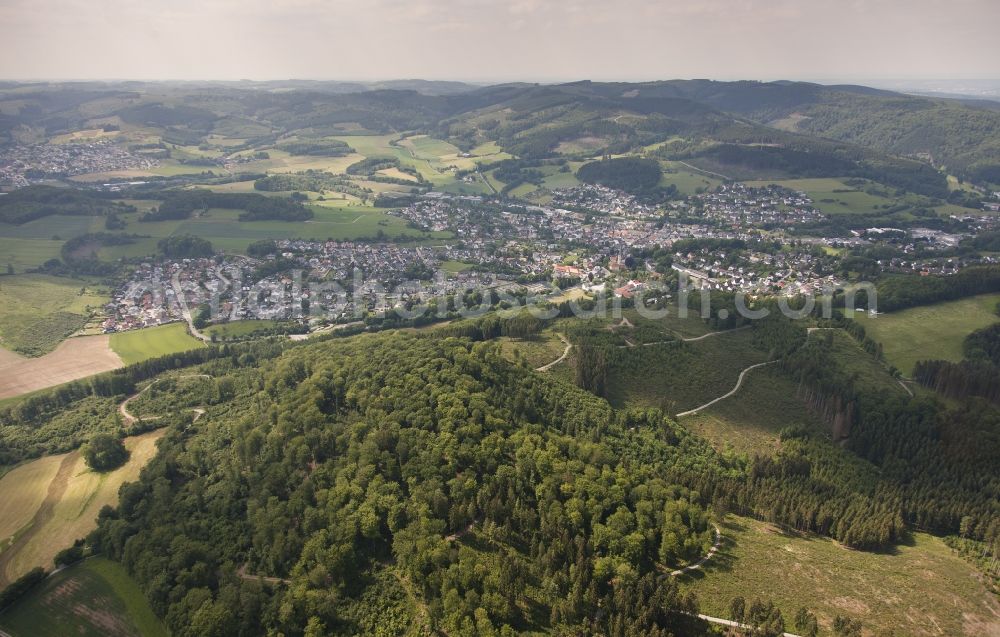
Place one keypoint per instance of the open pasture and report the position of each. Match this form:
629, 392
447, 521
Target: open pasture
24, 254
833, 196
687, 181
334, 219
150, 342
95, 598
929, 332
37, 311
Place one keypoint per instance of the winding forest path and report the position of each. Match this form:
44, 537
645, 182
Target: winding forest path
242, 573
691, 339
711, 553
732, 624
129, 418
565, 353
710, 334
739, 383
702, 170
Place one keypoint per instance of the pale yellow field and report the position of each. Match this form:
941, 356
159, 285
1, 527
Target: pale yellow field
83, 135
74, 358
23, 489
396, 173
65, 506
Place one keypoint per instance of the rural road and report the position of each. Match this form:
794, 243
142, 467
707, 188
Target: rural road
739, 382
702, 170
565, 353
186, 311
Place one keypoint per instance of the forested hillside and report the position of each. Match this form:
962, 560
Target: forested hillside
805, 129
373, 470
379, 483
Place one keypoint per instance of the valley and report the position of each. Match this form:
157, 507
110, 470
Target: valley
497, 360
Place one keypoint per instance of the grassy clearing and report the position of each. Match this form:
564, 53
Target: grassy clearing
540, 350
24, 254
93, 598
921, 589
687, 327
931, 331
38, 311
69, 504
833, 196
687, 181
858, 363
749, 422
455, 267
237, 329
222, 227
138, 345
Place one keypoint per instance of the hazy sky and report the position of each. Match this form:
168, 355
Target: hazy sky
489, 40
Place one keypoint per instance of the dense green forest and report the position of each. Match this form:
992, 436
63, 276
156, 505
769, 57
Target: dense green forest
501, 499
630, 174
404, 479
790, 127
253, 207
324, 148
897, 292
35, 202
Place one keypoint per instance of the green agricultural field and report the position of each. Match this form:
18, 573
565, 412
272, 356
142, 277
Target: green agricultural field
226, 232
490, 150
139, 345
687, 181
25, 254
93, 598
919, 589
238, 329
931, 331
38, 311
555, 178
455, 267
53, 227
833, 196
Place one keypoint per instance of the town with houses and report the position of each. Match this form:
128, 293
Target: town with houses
25, 165
586, 239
